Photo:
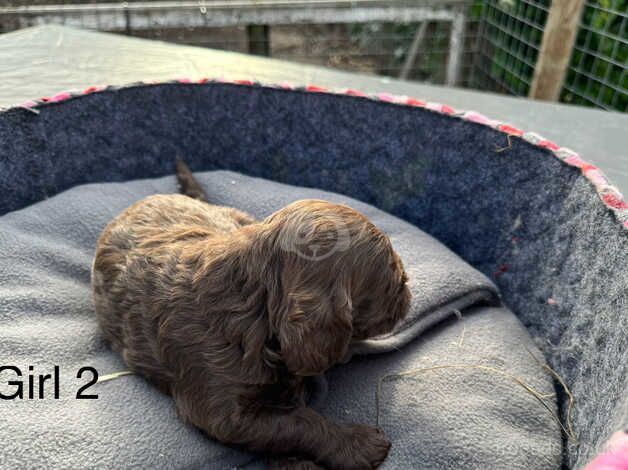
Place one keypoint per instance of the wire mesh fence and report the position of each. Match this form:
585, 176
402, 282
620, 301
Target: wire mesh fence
508, 45
373, 48
495, 43
378, 47
408, 39
597, 74
510, 39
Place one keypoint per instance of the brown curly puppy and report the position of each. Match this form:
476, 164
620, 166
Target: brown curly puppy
231, 316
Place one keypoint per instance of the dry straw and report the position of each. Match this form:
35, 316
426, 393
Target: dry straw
566, 427
114, 375
540, 397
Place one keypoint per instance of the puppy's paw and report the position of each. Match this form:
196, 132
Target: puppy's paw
371, 444
364, 448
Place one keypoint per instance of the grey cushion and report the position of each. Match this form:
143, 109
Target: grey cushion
467, 414
463, 418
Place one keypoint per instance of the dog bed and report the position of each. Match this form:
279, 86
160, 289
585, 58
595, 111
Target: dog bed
545, 226
463, 414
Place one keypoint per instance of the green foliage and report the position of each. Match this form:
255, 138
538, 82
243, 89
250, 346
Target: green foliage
514, 42
602, 55
475, 12
597, 74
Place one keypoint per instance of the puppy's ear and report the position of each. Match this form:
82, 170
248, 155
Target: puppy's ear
315, 331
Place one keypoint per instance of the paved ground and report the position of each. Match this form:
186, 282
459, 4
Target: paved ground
43, 60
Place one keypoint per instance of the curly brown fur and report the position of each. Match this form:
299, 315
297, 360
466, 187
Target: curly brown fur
231, 316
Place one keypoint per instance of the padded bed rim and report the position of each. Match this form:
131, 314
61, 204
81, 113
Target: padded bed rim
609, 194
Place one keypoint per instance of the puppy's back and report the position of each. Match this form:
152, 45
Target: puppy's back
137, 250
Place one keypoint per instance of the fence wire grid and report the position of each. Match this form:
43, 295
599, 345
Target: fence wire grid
597, 74
499, 45
381, 48
509, 42
510, 39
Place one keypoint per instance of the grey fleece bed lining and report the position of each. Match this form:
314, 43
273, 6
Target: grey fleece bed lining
46, 317
417, 324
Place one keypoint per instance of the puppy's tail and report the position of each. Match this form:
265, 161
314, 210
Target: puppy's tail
188, 184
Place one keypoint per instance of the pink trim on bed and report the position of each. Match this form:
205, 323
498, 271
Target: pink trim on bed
615, 456
609, 194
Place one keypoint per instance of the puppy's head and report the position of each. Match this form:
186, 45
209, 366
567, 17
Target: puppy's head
337, 279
